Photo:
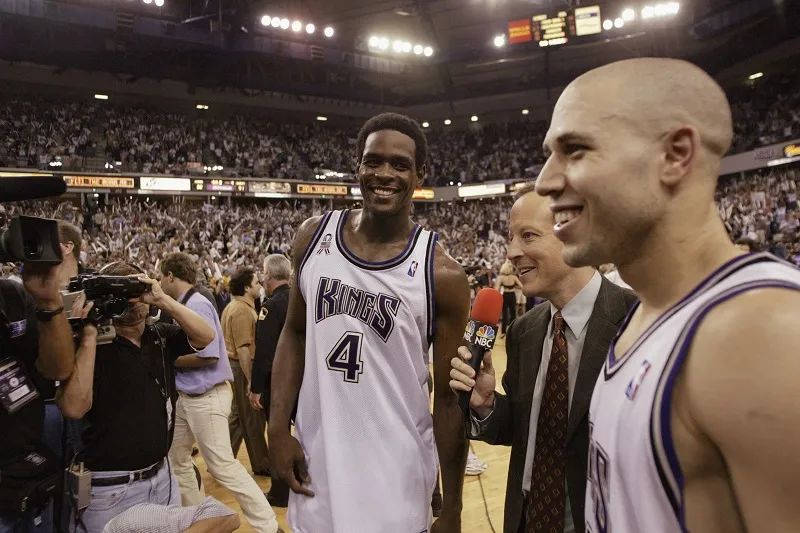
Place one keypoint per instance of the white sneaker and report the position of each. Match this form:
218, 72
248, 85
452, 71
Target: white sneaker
475, 467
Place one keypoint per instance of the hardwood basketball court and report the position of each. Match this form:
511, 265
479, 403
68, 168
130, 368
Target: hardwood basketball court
474, 518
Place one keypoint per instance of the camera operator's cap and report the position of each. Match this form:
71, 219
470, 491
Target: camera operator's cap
20, 187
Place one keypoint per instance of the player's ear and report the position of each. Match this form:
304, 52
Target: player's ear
421, 175
681, 148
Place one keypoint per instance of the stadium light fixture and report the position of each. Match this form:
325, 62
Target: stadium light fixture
500, 41
321, 118
383, 43
147, 1
101, 96
310, 28
474, 118
525, 111
407, 47
428, 51
425, 124
451, 183
447, 122
418, 49
374, 41
159, 3
628, 15
328, 32
276, 22
618, 22
648, 12
265, 20
202, 106
285, 24
755, 76
397, 46
297, 26
608, 24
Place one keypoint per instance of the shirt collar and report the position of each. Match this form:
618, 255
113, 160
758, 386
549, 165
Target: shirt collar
249, 303
280, 288
578, 311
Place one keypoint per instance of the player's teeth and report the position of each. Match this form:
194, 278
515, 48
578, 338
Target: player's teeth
562, 217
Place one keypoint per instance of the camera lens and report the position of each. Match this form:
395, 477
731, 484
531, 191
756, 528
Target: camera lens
31, 246
117, 307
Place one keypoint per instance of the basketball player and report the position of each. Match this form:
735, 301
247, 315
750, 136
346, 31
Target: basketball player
372, 290
695, 423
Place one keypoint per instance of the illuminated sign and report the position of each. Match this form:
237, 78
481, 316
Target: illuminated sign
355, 191
792, 150
154, 183
424, 194
238, 186
588, 21
322, 189
550, 31
489, 189
269, 187
103, 182
21, 174
519, 31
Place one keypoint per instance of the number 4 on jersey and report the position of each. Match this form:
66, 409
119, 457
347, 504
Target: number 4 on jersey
346, 356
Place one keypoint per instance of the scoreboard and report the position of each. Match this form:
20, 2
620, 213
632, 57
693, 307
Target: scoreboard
556, 29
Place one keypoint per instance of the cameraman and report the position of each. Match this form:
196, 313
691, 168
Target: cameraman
125, 391
35, 346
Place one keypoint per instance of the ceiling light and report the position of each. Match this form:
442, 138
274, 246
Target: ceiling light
628, 15
447, 122
474, 118
425, 124
428, 51
285, 24
673, 7
397, 46
500, 41
418, 49
148, 1
310, 28
297, 25
201, 106
648, 12
265, 20
328, 32
525, 111
159, 3
406, 47
101, 96
383, 43
618, 22
321, 118
276, 22
608, 24
755, 76
373, 41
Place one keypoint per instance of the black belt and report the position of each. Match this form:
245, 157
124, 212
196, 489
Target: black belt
140, 475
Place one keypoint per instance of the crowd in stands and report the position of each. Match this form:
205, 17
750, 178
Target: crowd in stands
761, 207
135, 139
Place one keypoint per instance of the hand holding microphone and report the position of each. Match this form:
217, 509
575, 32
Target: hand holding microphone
472, 373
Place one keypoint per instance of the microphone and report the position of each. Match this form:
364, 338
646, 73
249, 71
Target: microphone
480, 333
18, 188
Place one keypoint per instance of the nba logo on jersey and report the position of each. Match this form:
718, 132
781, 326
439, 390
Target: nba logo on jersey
325, 245
636, 382
413, 268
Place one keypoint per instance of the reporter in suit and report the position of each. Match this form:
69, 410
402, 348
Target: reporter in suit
555, 353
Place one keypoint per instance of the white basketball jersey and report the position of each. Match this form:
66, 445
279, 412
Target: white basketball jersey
635, 484
364, 417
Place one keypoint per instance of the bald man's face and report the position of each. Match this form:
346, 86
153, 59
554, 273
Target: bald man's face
602, 177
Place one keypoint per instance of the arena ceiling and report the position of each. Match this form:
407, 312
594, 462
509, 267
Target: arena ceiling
465, 63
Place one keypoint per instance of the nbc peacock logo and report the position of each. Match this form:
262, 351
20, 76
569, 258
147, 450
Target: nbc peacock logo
485, 332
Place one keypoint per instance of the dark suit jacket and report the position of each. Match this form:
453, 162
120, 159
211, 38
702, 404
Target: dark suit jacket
509, 423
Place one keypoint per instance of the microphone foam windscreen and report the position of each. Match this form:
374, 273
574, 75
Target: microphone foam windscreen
488, 306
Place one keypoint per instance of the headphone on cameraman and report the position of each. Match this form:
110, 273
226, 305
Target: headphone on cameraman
155, 312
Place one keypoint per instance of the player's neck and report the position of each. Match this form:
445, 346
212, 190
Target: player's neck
383, 228
675, 261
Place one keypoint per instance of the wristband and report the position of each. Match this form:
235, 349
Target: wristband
44, 315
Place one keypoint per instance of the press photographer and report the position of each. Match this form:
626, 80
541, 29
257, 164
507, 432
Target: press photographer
125, 391
35, 346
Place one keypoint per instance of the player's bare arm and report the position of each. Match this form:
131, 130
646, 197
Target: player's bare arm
452, 312
736, 419
285, 451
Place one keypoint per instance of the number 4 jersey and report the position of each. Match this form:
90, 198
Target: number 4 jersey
364, 417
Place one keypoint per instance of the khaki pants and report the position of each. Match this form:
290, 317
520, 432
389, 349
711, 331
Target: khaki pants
204, 419
245, 423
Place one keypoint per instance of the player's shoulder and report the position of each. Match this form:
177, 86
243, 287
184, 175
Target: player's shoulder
306, 232
449, 278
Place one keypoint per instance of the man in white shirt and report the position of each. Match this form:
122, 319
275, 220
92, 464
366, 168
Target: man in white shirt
555, 352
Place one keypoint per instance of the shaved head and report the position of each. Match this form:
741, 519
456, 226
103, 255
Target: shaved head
636, 148
659, 93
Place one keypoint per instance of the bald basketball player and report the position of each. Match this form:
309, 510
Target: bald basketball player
372, 290
695, 424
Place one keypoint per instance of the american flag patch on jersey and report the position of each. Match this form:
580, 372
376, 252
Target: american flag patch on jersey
633, 386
